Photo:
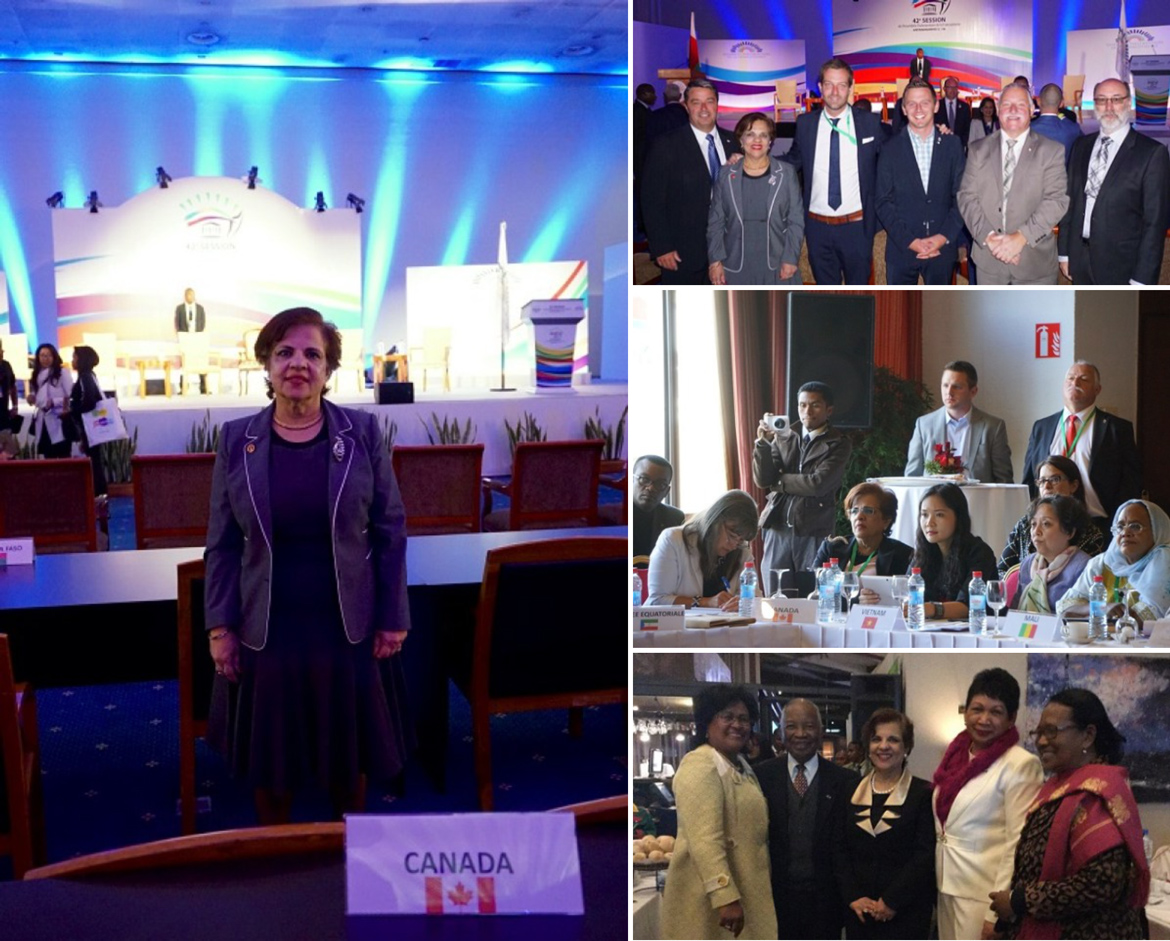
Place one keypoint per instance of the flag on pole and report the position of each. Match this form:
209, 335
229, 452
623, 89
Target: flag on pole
1122, 47
693, 48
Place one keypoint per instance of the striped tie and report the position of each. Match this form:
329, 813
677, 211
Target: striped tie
1097, 171
1009, 167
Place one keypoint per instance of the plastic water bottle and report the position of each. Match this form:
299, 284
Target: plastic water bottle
824, 595
636, 584
1098, 596
835, 574
916, 600
977, 604
1147, 845
747, 591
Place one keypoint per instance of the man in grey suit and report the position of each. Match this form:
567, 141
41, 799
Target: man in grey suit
1014, 191
978, 438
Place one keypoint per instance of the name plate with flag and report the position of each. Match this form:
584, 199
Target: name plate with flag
18, 551
874, 617
663, 617
788, 611
462, 864
1030, 627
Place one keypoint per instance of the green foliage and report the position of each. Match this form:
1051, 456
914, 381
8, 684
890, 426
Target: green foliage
614, 437
389, 432
204, 436
116, 458
526, 429
880, 451
448, 431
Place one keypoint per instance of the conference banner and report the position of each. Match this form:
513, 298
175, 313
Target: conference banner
745, 72
980, 44
1151, 86
1098, 54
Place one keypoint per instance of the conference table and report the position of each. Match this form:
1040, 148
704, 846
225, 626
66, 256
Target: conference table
994, 508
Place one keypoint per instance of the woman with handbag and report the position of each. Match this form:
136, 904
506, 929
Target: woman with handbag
49, 389
84, 397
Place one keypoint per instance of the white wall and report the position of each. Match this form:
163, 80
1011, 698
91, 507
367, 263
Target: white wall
1107, 335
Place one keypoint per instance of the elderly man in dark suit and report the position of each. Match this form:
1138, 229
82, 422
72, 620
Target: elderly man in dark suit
1100, 444
808, 800
1014, 191
677, 177
1119, 199
836, 149
919, 172
954, 113
672, 114
651, 480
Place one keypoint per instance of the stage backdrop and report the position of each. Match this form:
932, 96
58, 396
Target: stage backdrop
1093, 52
746, 71
978, 43
246, 253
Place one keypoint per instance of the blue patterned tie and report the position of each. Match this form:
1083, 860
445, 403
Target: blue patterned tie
712, 157
834, 166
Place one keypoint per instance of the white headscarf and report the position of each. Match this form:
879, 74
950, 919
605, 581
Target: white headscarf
1149, 575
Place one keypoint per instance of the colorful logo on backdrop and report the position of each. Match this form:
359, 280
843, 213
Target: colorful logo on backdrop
929, 12
747, 49
211, 219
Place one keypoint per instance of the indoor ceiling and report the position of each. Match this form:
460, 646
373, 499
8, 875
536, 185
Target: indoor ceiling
554, 36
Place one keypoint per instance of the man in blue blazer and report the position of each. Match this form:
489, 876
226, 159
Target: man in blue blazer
1049, 122
922, 221
836, 149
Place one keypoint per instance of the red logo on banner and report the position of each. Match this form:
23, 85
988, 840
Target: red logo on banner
1047, 340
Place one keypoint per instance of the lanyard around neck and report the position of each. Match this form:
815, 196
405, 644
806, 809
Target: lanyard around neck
846, 119
1080, 431
853, 560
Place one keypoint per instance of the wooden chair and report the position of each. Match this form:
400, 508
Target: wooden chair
435, 353
1073, 89
440, 487
22, 823
196, 672
553, 485
247, 363
517, 662
52, 501
198, 359
872, 89
172, 499
786, 99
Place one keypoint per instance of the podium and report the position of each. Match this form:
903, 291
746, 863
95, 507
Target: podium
554, 323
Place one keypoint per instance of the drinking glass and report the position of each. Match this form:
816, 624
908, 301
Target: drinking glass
1129, 599
850, 587
996, 600
778, 594
901, 587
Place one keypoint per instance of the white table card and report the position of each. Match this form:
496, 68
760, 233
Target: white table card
1032, 628
18, 551
875, 618
462, 864
788, 611
1159, 633
664, 617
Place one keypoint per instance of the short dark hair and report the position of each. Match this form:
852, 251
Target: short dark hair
87, 358
1088, 710
917, 82
713, 698
273, 332
996, 683
887, 502
1068, 468
1071, 513
644, 88
823, 389
961, 365
834, 63
700, 83
1051, 96
655, 460
744, 124
881, 717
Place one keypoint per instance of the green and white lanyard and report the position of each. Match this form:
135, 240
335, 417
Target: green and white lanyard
1068, 451
846, 120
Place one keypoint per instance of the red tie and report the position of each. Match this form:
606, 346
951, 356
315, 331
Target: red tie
1070, 435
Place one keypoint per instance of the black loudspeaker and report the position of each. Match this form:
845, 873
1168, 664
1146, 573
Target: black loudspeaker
394, 393
156, 387
830, 339
869, 692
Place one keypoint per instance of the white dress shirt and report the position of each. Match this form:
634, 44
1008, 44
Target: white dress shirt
1083, 455
701, 137
1117, 137
958, 434
850, 177
810, 768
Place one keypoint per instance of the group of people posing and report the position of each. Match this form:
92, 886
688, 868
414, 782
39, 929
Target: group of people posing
1017, 183
1086, 518
999, 843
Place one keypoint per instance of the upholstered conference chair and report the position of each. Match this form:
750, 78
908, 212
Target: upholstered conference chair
22, 823
440, 487
172, 499
553, 485
52, 501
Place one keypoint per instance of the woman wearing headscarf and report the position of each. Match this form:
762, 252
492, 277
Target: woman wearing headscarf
1138, 559
720, 879
982, 790
1080, 869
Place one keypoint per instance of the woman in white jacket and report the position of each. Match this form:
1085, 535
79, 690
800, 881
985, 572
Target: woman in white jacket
982, 790
48, 392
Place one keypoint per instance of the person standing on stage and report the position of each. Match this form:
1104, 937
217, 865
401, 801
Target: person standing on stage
189, 316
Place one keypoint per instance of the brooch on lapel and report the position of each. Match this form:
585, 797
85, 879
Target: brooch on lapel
250, 448
338, 449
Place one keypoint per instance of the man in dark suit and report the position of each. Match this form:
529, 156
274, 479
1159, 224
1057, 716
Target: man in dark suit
1119, 199
808, 802
672, 114
953, 113
922, 221
1050, 123
189, 316
676, 187
644, 99
836, 149
1100, 444
920, 66
652, 514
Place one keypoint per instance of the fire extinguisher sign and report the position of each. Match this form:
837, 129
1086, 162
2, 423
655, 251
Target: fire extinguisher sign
1047, 341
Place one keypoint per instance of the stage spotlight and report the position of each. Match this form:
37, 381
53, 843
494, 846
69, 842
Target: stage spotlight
356, 201
56, 201
162, 178
93, 202
252, 178
319, 203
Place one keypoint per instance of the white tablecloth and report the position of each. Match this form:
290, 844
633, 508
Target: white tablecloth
645, 911
994, 508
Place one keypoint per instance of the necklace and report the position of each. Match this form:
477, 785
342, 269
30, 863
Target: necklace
276, 421
878, 790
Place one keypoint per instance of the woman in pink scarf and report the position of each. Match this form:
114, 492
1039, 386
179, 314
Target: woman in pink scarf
982, 790
1080, 870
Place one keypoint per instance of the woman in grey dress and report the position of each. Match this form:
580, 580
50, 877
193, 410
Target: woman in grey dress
756, 223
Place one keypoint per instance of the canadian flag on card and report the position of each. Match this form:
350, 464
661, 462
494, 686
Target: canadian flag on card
456, 896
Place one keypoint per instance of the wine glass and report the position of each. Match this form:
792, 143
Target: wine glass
778, 594
996, 601
900, 585
1129, 599
850, 587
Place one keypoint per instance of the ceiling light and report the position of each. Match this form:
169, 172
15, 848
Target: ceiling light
56, 201
93, 202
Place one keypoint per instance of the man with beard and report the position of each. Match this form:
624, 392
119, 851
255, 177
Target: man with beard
1119, 199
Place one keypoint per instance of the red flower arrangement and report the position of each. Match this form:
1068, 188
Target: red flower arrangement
945, 461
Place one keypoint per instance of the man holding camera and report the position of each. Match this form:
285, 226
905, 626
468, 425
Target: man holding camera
802, 467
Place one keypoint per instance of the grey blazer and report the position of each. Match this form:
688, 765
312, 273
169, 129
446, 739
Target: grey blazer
990, 458
1036, 203
368, 522
725, 238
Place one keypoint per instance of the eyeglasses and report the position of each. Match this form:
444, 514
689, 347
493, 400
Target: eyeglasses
1134, 528
735, 718
729, 530
1049, 732
1115, 102
757, 135
656, 486
1050, 481
863, 510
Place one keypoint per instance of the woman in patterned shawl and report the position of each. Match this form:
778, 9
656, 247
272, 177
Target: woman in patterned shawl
1080, 869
